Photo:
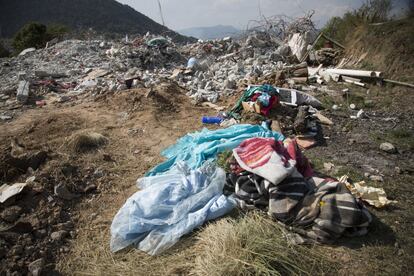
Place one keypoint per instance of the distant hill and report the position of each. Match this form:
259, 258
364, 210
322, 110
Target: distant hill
101, 15
213, 32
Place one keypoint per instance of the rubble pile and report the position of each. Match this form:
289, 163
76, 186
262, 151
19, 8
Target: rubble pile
76, 66
214, 68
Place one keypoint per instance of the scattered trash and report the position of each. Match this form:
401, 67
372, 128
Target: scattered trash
373, 196
41, 103
376, 178
211, 120
8, 191
23, 91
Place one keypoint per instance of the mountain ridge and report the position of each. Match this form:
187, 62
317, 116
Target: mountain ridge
106, 16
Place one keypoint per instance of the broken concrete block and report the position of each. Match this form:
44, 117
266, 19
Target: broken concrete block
23, 91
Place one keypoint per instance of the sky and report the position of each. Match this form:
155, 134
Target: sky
181, 14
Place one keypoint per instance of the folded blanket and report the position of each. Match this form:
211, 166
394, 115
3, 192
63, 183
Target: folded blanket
266, 158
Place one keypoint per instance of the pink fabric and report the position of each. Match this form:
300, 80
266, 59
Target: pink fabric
266, 158
271, 159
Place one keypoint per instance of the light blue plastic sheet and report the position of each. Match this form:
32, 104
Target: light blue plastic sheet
196, 148
169, 206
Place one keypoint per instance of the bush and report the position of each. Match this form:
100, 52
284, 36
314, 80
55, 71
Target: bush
31, 35
37, 35
3, 51
372, 11
56, 31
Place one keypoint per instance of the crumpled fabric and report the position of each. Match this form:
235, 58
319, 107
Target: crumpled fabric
320, 210
265, 109
169, 206
196, 148
265, 157
266, 88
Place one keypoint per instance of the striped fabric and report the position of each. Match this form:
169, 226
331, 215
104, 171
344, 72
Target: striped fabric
323, 208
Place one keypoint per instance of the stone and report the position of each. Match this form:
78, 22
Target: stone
67, 226
23, 91
388, 148
62, 192
377, 178
36, 267
11, 214
59, 235
5, 118
230, 84
368, 103
41, 233
328, 166
398, 170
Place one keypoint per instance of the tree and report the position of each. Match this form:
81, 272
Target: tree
31, 35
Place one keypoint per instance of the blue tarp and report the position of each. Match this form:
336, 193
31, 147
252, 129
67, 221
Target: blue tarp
195, 148
169, 206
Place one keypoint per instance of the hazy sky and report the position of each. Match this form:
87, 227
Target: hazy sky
180, 14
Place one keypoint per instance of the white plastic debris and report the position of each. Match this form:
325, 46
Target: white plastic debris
8, 191
371, 195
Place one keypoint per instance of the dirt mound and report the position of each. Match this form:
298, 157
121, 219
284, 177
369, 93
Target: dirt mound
165, 98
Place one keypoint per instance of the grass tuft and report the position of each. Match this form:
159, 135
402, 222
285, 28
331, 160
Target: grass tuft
84, 142
255, 245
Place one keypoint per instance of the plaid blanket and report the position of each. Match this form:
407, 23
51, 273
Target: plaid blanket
323, 209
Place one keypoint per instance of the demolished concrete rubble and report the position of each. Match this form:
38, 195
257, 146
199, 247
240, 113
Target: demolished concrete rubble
217, 68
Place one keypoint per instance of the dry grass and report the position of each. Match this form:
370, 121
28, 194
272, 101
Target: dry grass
254, 245
250, 245
83, 142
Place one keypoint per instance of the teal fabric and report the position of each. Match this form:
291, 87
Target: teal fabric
196, 148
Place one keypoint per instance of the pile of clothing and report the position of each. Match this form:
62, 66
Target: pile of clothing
268, 172
274, 176
265, 96
181, 193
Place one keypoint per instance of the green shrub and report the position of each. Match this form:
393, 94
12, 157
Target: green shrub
372, 11
56, 31
3, 51
37, 35
31, 35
